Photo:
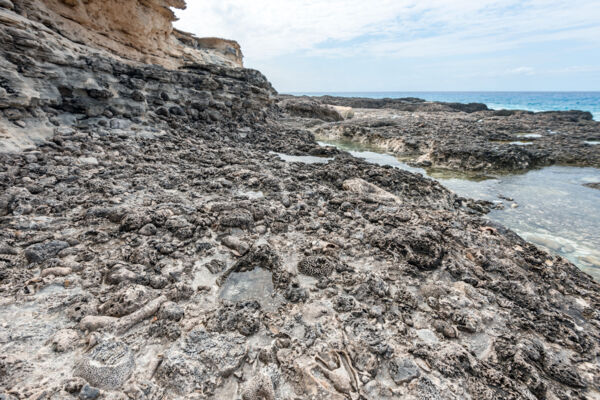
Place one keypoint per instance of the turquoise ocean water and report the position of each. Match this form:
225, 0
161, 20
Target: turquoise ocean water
532, 101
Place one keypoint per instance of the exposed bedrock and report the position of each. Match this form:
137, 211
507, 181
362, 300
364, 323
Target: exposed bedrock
300, 107
154, 245
401, 104
50, 84
136, 30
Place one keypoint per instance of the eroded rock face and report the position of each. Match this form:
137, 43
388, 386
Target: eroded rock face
305, 108
140, 31
55, 90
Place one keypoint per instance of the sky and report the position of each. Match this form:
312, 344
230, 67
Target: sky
410, 45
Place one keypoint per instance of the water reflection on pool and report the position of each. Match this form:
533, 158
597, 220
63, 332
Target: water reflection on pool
303, 159
549, 207
256, 285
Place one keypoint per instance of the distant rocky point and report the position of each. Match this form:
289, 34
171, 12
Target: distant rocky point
459, 137
401, 104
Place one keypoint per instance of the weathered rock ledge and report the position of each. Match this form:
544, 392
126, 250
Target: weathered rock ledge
50, 82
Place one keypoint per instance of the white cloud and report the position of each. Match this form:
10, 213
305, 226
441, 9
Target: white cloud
402, 28
277, 27
521, 71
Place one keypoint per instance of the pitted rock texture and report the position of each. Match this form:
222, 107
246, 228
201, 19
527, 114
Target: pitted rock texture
200, 361
107, 366
62, 84
316, 266
411, 104
154, 245
412, 278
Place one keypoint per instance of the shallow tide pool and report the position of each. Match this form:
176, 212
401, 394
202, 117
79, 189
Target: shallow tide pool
303, 159
549, 207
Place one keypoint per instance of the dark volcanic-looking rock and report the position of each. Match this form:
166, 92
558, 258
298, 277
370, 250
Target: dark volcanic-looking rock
52, 90
402, 104
42, 251
310, 109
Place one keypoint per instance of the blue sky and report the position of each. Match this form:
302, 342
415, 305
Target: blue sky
410, 45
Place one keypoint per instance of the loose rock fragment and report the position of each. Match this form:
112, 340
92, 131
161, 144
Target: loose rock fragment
42, 251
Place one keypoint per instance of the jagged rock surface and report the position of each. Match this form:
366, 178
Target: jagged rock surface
153, 246
411, 104
51, 84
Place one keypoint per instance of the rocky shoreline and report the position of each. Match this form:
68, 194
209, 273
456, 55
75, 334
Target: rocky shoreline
462, 138
154, 245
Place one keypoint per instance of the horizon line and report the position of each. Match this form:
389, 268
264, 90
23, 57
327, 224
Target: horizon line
441, 91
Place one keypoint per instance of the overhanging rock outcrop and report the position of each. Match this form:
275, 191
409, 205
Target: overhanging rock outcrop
139, 30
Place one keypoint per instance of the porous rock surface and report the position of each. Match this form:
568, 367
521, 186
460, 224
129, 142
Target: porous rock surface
154, 246
50, 83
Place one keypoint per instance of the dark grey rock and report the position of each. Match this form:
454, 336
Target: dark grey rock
7, 4
403, 370
163, 112
177, 111
344, 303
138, 96
148, 230
40, 252
171, 311
89, 393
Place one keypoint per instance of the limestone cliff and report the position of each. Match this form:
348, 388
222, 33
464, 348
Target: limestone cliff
139, 30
